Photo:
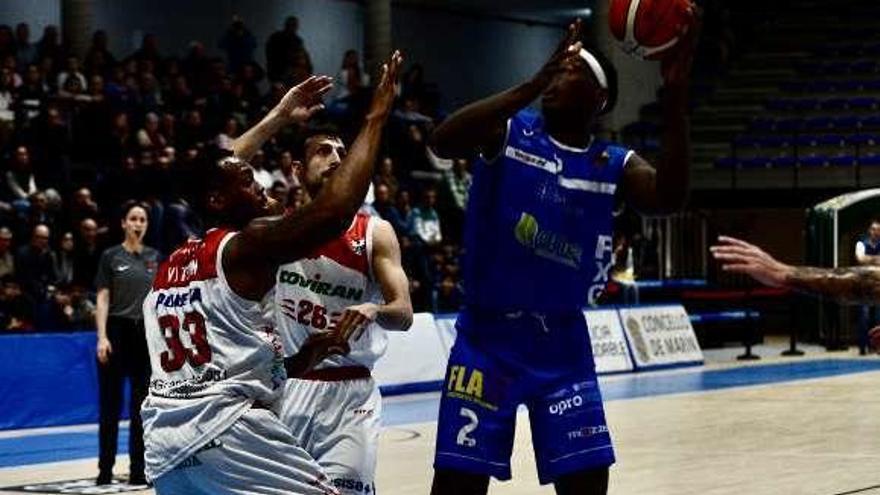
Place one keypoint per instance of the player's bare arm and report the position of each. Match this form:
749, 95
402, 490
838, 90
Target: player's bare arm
397, 312
662, 188
854, 285
253, 256
481, 125
296, 107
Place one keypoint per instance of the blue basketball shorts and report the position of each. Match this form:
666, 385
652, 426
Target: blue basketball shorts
483, 390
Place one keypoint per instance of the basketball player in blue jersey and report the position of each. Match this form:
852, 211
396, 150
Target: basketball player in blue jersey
538, 242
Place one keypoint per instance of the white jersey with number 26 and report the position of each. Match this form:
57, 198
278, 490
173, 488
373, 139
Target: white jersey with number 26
312, 293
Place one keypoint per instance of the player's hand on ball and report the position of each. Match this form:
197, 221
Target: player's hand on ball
304, 100
104, 350
737, 256
354, 321
316, 348
386, 90
569, 46
676, 65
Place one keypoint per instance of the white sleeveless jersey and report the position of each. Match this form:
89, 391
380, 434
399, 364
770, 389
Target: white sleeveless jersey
212, 353
311, 294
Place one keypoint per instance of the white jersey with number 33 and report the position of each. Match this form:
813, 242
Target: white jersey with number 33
312, 293
212, 354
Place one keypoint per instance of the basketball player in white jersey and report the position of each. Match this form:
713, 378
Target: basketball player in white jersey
215, 368
357, 280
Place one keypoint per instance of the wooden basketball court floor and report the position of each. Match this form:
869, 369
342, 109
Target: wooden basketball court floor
779, 426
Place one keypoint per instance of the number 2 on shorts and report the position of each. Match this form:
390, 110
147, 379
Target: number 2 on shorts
473, 421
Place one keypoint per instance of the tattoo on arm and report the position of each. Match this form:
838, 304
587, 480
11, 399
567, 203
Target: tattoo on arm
855, 285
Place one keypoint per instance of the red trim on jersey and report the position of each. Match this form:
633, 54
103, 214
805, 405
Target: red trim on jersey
350, 249
195, 260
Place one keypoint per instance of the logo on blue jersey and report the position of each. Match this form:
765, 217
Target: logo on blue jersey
547, 244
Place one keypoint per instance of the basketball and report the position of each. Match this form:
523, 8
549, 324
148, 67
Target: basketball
647, 29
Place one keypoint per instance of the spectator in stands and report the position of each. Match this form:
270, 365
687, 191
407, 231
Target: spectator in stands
458, 183
352, 79
98, 59
448, 296
302, 68
49, 47
150, 141
227, 134
124, 277
7, 106
411, 113
53, 171
34, 265
426, 219
64, 260
867, 253
20, 182
7, 260
181, 223
192, 133
148, 54
30, 98
40, 212
71, 69
25, 51
72, 309
239, 44
85, 261
386, 176
16, 307
150, 93
382, 203
7, 41
285, 173
402, 216
261, 175
281, 50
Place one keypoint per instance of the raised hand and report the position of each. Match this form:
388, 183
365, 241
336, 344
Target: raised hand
737, 256
569, 46
305, 99
676, 65
386, 90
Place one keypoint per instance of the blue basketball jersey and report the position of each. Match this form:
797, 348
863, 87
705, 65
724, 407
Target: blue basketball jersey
538, 234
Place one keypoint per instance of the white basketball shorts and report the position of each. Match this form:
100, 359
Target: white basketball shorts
256, 455
338, 423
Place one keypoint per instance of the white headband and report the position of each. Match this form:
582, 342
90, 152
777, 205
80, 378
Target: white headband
595, 67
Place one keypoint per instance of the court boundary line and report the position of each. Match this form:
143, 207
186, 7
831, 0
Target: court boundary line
858, 490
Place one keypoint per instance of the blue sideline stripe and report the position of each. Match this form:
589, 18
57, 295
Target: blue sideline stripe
411, 388
54, 448
50, 447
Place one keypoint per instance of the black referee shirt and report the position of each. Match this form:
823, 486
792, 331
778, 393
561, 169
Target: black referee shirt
128, 276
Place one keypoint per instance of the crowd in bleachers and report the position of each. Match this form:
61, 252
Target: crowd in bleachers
78, 137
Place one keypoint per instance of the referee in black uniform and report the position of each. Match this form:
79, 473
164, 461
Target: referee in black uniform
125, 274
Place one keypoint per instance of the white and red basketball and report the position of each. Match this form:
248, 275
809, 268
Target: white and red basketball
647, 29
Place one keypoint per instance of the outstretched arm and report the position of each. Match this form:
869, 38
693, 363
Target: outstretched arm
253, 256
856, 285
296, 107
663, 188
481, 125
